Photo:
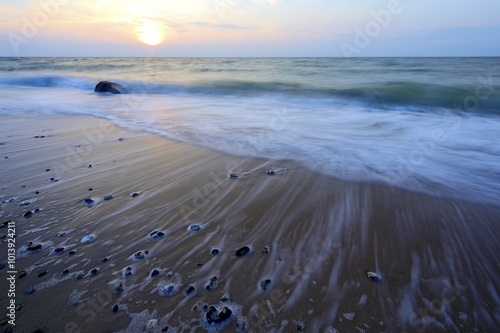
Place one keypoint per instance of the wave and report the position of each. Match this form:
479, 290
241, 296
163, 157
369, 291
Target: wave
412, 95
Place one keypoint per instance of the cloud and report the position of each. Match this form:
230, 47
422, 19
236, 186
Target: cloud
219, 26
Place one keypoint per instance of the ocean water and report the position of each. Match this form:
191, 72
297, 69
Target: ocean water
425, 124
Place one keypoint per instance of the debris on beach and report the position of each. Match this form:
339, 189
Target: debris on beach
212, 283
373, 276
242, 251
264, 285
217, 316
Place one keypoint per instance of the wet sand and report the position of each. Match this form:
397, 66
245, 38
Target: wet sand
312, 240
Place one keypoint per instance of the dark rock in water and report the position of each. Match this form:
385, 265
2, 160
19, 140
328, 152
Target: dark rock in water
271, 172
105, 259
267, 249
80, 276
189, 290
265, 284
108, 197
89, 166
114, 308
119, 288
141, 254
242, 251
233, 176
65, 271
214, 252
72, 252
111, 87
28, 214
42, 273
94, 271
47, 170
155, 273
156, 234
37, 192
134, 195
91, 189
215, 316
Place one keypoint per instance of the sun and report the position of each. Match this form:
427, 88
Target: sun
151, 32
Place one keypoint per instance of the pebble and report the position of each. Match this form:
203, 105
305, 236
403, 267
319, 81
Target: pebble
22, 274
59, 250
214, 252
90, 238
114, 308
105, 259
65, 271
72, 252
168, 290
135, 194
271, 172
88, 202
119, 288
242, 251
265, 284
267, 249
47, 170
189, 290
212, 284
141, 254
127, 271
91, 189
107, 197
28, 214
80, 276
89, 166
233, 176
62, 234
156, 234
37, 192
215, 316
373, 276
121, 139
94, 272
53, 180
155, 273
42, 273
194, 228
34, 247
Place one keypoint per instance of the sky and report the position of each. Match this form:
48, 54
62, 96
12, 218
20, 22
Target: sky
234, 28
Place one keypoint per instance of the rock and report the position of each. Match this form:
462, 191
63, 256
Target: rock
28, 214
90, 238
89, 202
29, 291
233, 176
189, 290
155, 273
242, 251
114, 308
212, 284
65, 271
94, 272
135, 194
42, 273
22, 274
59, 250
215, 316
156, 234
265, 284
108, 197
214, 252
110, 87
373, 276
194, 228
72, 252
34, 247
267, 249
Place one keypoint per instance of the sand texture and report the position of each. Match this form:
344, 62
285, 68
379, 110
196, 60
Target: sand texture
128, 221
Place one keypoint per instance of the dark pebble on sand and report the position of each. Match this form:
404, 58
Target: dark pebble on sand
65, 271
134, 195
28, 214
36, 210
114, 308
233, 176
59, 250
155, 273
94, 271
265, 284
108, 197
212, 284
72, 252
34, 247
189, 290
121, 139
215, 316
22, 274
37, 192
299, 327
156, 234
88, 202
119, 288
53, 180
42, 273
47, 170
29, 291
214, 252
80, 276
141, 254
105, 259
242, 251
91, 189
267, 249
195, 227
89, 166
271, 172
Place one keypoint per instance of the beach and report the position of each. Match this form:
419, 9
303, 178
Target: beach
127, 221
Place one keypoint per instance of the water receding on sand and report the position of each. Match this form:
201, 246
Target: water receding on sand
199, 251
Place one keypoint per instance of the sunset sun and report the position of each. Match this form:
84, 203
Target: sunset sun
151, 33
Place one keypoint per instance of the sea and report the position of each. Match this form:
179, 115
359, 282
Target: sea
430, 125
